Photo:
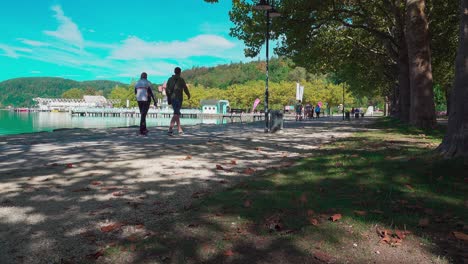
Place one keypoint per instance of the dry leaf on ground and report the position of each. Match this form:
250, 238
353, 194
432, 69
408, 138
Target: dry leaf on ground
460, 236
111, 227
228, 253
335, 217
249, 171
313, 221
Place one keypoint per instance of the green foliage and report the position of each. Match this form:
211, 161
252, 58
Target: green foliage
223, 76
124, 93
20, 92
73, 93
281, 94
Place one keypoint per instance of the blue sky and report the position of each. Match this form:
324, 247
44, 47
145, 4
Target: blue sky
113, 40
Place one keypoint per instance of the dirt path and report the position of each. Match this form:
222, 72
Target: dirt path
58, 189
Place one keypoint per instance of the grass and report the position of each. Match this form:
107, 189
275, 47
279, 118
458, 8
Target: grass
388, 177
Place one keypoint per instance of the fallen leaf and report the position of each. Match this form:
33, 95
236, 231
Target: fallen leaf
313, 221
258, 149
228, 253
188, 157
219, 167
386, 239
335, 217
111, 227
460, 236
96, 183
118, 193
249, 171
233, 162
361, 213
69, 165
423, 222
400, 234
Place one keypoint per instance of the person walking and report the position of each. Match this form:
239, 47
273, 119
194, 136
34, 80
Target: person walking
317, 111
144, 93
176, 86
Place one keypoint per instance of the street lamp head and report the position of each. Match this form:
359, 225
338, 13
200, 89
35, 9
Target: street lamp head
274, 13
262, 6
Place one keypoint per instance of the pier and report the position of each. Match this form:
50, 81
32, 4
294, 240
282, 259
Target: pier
155, 113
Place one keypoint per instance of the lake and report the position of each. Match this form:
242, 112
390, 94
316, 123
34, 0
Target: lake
25, 122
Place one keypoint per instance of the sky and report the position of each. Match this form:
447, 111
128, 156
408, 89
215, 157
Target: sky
113, 40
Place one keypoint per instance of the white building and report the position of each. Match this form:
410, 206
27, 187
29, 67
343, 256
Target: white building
63, 104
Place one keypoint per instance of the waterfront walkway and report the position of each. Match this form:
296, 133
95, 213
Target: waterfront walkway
57, 190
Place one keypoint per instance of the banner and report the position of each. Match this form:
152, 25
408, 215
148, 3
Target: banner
257, 101
299, 91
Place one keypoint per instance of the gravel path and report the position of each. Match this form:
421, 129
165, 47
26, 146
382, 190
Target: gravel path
57, 190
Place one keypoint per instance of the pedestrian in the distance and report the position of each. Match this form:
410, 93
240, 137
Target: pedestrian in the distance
317, 110
176, 86
144, 93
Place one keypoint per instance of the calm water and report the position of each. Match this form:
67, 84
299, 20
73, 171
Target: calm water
16, 123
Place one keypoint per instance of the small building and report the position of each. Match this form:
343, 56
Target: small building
213, 106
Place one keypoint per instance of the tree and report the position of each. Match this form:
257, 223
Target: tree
354, 40
422, 109
455, 142
73, 93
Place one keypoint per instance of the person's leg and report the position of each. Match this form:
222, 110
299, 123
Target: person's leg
147, 107
142, 117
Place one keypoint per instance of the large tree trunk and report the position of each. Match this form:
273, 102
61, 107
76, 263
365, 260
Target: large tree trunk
404, 81
422, 108
455, 142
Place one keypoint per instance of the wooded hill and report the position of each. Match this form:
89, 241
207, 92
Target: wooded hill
20, 91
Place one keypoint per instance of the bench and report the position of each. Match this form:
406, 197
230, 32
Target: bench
233, 113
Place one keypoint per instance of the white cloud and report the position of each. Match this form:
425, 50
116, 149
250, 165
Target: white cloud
33, 43
12, 52
35, 72
67, 30
201, 45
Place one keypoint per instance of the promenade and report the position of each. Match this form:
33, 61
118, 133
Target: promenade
58, 188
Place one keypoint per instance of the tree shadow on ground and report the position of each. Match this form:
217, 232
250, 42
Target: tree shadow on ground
164, 200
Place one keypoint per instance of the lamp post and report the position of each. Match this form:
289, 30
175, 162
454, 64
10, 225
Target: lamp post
270, 13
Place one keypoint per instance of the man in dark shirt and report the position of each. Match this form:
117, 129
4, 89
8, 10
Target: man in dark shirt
175, 87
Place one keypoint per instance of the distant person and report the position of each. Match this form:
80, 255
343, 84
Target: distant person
317, 111
308, 110
175, 87
298, 109
144, 93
